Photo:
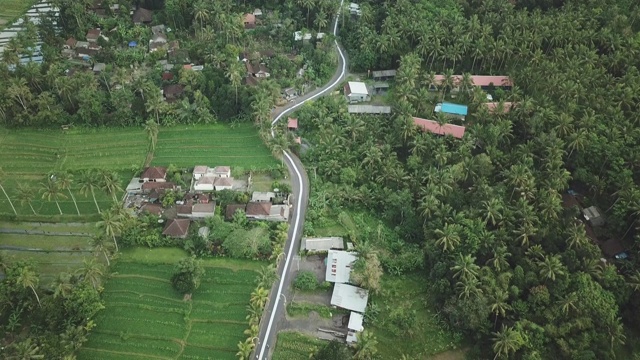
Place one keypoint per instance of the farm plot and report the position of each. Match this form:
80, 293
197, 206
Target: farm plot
295, 346
27, 155
238, 146
10, 10
145, 318
49, 246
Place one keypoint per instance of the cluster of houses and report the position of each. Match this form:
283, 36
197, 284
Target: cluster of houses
339, 264
144, 195
83, 51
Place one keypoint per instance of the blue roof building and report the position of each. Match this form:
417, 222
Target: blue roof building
450, 108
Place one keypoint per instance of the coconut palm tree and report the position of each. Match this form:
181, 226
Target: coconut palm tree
110, 225
259, 297
26, 350
88, 182
465, 267
26, 195
234, 74
365, 346
91, 272
100, 245
64, 180
110, 183
151, 127
51, 190
27, 278
62, 285
448, 237
2, 175
244, 349
506, 342
551, 267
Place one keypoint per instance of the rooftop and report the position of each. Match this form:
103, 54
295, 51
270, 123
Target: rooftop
322, 244
339, 265
204, 208
456, 131
258, 209
262, 196
357, 87
369, 109
383, 73
231, 210
292, 123
200, 169
154, 172
451, 108
355, 321
349, 297
177, 228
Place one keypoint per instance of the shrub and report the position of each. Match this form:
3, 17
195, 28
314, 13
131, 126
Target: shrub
187, 274
306, 280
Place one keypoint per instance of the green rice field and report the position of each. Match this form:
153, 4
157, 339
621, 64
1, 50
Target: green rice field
51, 254
145, 318
295, 346
27, 155
238, 146
10, 10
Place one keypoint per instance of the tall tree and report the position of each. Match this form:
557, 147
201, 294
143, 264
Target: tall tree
28, 278
65, 180
51, 190
151, 128
26, 195
111, 225
88, 182
2, 177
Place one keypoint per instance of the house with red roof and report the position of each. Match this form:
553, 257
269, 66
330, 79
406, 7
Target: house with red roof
154, 173
292, 123
503, 108
431, 126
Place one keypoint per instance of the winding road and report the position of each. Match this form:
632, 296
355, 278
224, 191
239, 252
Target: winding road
275, 308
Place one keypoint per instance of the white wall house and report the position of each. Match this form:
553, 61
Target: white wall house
356, 91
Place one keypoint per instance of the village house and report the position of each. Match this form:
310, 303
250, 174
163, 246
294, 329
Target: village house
317, 245
258, 70
177, 228
196, 211
155, 209
454, 110
383, 75
433, 127
94, 34
231, 210
292, 124
267, 211
142, 16
299, 35
260, 196
158, 186
172, 92
211, 183
158, 38
369, 109
354, 9
354, 327
257, 12
380, 88
356, 91
349, 297
290, 93
154, 173
339, 266
249, 21
250, 80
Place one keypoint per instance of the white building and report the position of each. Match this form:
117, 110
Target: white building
260, 196
354, 9
354, 327
356, 91
350, 297
339, 266
322, 244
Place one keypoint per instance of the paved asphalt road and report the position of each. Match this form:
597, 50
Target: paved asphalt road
280, 291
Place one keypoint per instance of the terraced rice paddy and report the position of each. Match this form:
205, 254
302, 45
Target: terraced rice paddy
295, 346
146, 319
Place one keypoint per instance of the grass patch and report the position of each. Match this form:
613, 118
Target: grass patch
303, 309
49, 264
238, 146
46, 242
89, 228
261, 182
295, 346
425, 337
145, 318
172, 255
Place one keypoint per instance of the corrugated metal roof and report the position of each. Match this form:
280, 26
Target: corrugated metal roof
369, 109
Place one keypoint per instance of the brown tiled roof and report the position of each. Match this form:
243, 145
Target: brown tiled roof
142, 15
221, 169
167, 76
204, 208
249, 20
251, 81
231, 209
177, 228
154, 172
158, 185
184, 209
259, 208
223, 182
71, 42
152, 209
173, 90
93, 34
200, 169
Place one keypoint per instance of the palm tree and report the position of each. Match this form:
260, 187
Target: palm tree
2, 175
448, 237
155, 104
110, 183
506, 342
550, 267
91, 272
64, 180
88, 182
110, 225
26, 350
201, 13
62, 285
499, 304
365, 346
100, 245
51, 190
244, 349
27, 278
468, 287
266, 276
234, 74
568, 303
151, 127
26, 195
465, 267
493, 209
259, 297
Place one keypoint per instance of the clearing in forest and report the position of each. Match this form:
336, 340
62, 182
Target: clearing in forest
238, 146
145, 318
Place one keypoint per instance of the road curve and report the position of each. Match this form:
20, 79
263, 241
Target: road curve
300, 188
